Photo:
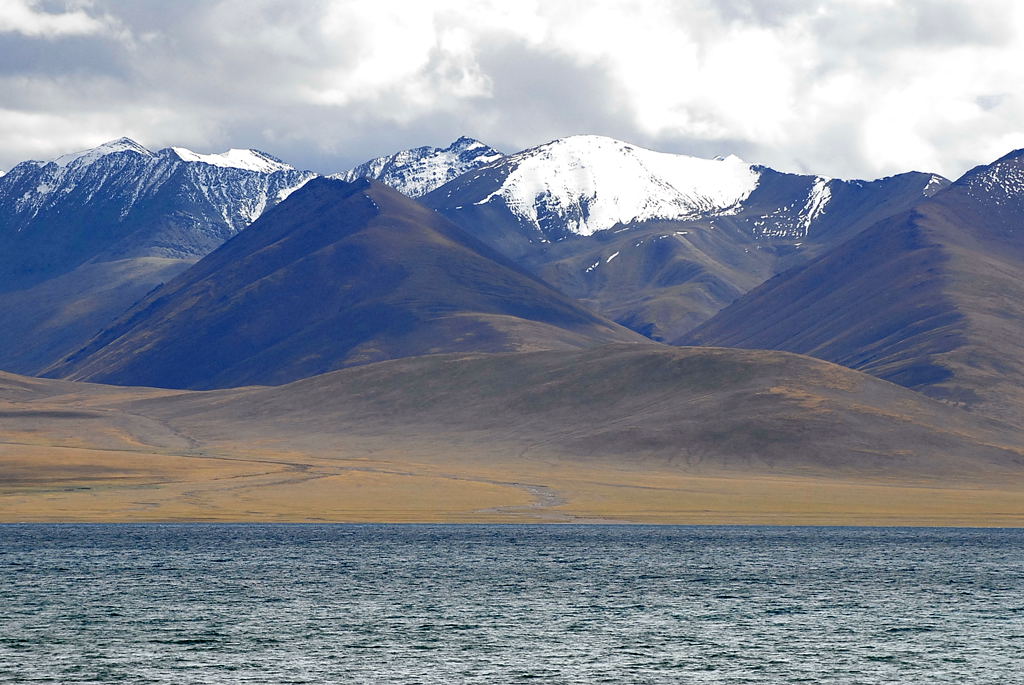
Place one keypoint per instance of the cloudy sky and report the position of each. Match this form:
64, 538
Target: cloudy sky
852, 88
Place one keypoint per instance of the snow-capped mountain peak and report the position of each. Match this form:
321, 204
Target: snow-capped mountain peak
86, 157
221, 194
591, 183
250, 160
417, 171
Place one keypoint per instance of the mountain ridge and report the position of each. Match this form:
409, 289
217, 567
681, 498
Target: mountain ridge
928, 299
85, 236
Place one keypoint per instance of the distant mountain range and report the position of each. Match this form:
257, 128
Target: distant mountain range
661, 242
910, 278
567, 307
87, 235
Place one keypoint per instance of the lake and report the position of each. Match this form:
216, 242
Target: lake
204, 603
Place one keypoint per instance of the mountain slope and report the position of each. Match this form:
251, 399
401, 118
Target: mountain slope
418, 171
661, 242
692, 409
931, 299
338, 274
88, 234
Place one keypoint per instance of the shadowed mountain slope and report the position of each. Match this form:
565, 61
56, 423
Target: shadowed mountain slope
932, 299
338, 274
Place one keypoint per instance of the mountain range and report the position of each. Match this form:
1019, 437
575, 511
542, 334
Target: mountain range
88, 235
488, 301
660, 242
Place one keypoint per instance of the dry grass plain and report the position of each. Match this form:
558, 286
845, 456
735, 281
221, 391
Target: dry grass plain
76, 484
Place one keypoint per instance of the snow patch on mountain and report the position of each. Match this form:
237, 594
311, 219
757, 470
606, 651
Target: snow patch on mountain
995, 192
817, 201
935, 184
250, 160
592, 183
283, 194
417, 171
796, 218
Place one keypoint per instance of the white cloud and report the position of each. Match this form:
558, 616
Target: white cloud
846, 87
24, 17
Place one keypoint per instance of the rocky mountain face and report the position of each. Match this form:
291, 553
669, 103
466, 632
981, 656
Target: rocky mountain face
661, 242
121, 200
339, 274
417, 171
84, 236
930, 299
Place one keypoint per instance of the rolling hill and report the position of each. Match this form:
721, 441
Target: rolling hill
620, 432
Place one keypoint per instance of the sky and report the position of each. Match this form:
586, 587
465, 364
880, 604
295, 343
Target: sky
847, 88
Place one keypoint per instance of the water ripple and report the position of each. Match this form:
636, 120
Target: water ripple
502, 604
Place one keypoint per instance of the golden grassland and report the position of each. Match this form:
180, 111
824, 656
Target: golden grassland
43, 483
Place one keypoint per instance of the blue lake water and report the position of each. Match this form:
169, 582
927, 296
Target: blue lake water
503, 604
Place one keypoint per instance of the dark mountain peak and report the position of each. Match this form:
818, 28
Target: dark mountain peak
987, 204
1017, 155
466, 143
338, 274
1005, 172
323, 187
